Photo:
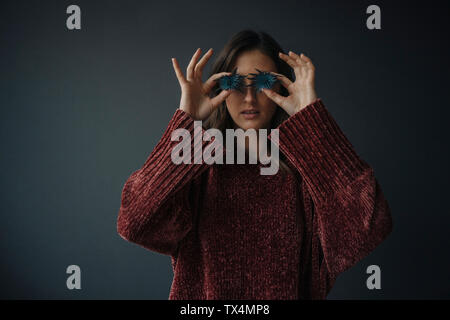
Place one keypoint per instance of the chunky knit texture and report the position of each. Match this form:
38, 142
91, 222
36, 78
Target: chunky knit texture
233, 233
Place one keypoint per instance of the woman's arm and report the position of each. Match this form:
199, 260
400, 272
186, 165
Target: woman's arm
157, 206
158, 200
352, 215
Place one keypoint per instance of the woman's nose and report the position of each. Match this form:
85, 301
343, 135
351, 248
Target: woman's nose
249, 93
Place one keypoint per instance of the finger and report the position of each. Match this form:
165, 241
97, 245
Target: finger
284, 81
192, 63
178, 72
275, 97
217, 100
200, 65
307, 61
211, 82
305, 58
287, 59
296, 57
304, 69
290, 61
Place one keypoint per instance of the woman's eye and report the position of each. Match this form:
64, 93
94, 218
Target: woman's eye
263, 80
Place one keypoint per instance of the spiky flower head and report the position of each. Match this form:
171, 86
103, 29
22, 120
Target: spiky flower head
233, 82
263, 80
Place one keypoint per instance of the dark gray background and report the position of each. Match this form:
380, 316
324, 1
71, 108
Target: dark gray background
81, 110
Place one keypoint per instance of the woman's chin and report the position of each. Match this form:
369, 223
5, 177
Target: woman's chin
248, 126
251, 124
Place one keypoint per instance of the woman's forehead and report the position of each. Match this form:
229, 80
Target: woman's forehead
247, 71
248, 62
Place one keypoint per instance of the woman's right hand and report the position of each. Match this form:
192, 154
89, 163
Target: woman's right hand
194, 94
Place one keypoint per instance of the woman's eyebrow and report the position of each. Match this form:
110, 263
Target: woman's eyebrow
254, 72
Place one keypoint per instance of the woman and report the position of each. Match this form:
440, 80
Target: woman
233, 233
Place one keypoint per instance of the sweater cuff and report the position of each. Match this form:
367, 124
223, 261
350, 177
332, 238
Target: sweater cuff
313, 142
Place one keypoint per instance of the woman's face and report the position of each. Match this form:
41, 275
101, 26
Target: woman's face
239, 104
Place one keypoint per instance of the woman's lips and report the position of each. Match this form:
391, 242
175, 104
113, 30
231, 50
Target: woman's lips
250, 114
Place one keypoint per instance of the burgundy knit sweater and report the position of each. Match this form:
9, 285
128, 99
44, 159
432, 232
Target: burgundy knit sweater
233, 233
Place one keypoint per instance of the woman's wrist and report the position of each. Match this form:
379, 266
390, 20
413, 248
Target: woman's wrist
311, 98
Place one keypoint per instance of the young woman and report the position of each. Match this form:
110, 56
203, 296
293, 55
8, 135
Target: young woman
233, 233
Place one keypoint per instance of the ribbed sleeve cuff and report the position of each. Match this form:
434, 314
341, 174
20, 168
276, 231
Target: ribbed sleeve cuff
313, 142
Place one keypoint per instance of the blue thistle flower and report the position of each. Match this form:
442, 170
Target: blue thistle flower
232, 82
263, 80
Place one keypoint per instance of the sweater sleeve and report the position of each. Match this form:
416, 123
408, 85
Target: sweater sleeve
351, 214
158, 201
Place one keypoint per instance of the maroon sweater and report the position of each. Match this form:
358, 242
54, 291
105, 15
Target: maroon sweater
233, 233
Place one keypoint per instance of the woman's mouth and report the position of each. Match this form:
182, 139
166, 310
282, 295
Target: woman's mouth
250, 114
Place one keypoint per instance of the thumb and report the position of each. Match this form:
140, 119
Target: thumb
275, 97
217, 100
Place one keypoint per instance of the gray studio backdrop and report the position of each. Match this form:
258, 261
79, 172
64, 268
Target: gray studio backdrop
82, 109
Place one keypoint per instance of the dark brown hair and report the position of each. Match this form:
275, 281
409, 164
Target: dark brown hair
242, 41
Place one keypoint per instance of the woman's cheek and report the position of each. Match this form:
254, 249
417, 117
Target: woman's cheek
232, 109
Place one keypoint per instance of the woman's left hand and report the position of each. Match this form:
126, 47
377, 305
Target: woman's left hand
301, 92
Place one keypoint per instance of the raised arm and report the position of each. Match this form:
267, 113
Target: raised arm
351, 214
158, 200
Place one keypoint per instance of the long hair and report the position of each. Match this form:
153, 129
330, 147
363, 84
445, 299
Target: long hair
247, 40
